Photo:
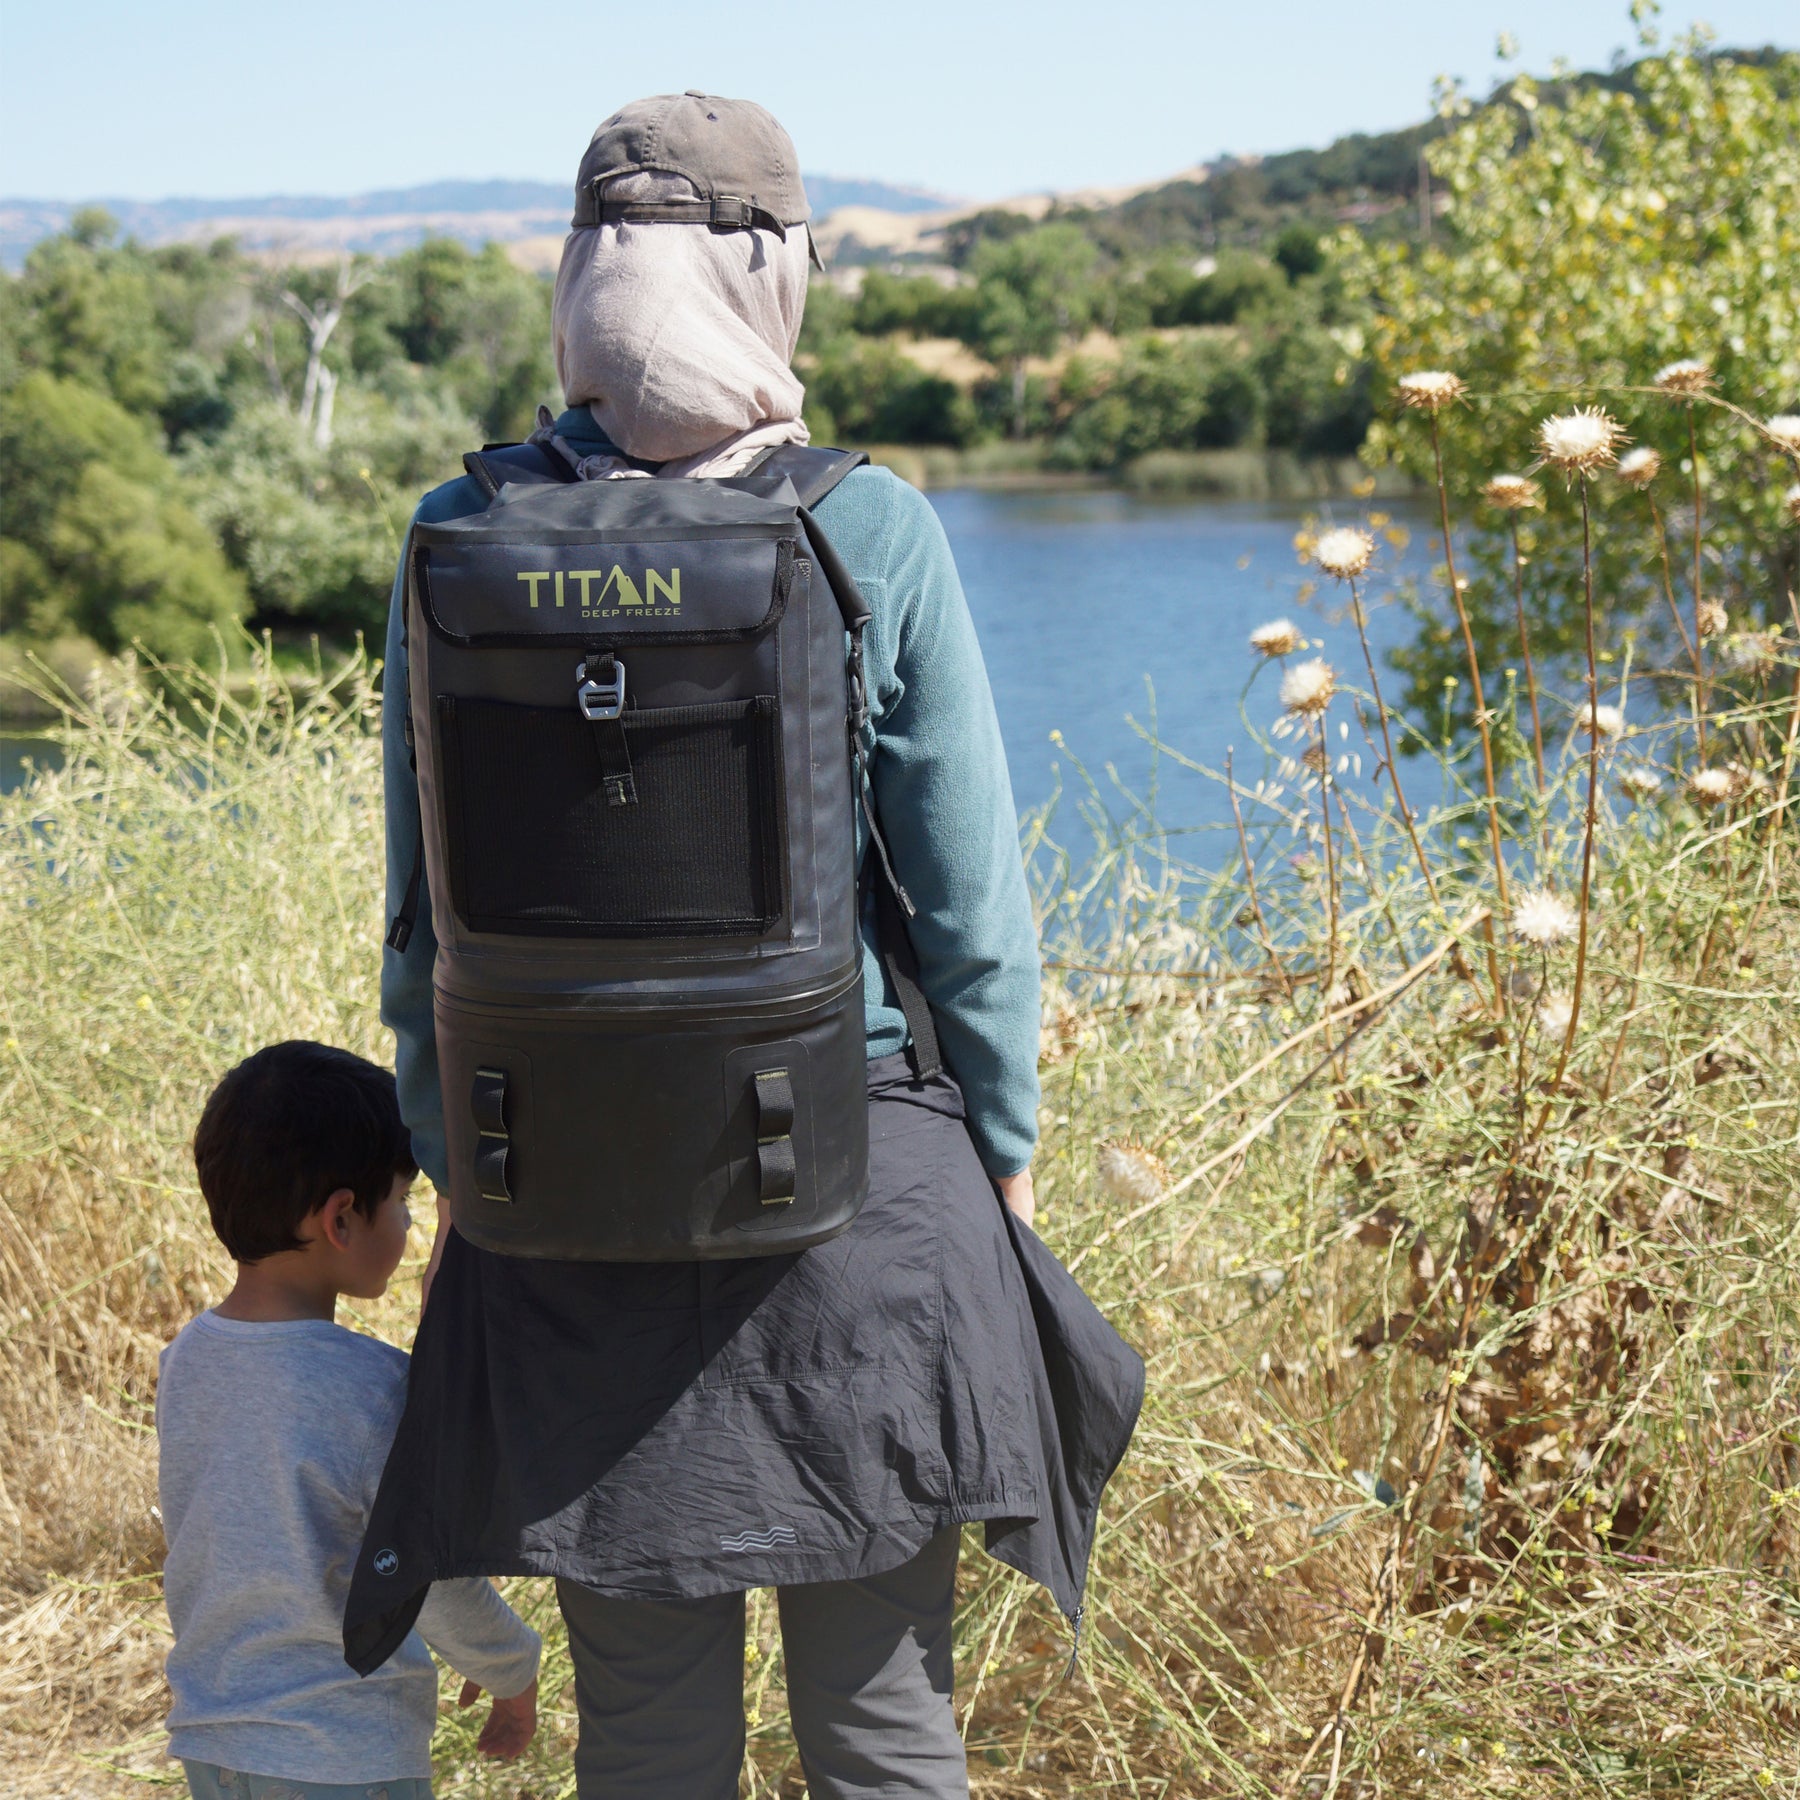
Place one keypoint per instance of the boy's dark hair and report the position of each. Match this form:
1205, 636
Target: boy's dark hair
284, 1131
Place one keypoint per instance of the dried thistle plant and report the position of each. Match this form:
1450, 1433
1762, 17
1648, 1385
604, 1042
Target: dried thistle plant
1685, 379
1278, 638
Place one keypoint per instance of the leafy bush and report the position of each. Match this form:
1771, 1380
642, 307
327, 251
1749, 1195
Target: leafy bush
98, 540
866, 391
917, 305
317, 531
1191, 392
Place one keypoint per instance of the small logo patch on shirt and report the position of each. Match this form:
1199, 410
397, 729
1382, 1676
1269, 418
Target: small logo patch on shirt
386, 1561
766, 1539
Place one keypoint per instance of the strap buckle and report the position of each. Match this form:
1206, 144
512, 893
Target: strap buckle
597, 699
729, 213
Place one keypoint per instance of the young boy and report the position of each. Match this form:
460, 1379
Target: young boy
274, 1423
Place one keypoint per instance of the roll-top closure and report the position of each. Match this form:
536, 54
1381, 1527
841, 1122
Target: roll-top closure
700, 589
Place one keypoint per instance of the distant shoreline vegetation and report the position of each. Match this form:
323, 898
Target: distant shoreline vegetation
195, 437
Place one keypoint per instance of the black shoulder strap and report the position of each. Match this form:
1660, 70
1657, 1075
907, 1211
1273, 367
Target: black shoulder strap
814, 473
493, 465
813, 469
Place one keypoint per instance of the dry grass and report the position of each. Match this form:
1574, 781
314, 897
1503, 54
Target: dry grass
1471, 1459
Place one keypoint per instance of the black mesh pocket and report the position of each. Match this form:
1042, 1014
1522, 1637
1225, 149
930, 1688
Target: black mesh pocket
535, 847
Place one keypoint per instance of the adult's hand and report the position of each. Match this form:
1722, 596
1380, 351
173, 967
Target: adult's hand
1015, 1190
437, 1252
511, 1724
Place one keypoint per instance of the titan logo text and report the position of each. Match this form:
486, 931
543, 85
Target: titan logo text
616, 587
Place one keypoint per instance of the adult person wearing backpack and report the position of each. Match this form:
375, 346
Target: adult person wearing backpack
662, 1430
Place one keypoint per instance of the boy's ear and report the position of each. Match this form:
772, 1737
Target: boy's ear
334, 1218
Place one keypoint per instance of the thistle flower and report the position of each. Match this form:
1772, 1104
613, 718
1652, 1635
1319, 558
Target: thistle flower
1307, 687
1638, 783
1602, 722
1430, 390
1686, 378
1540, 918
1344, 552
1553, 1015
1792, 500
1581, 441
1711, 618
1639, 467
1711, 787
1784, 429
1512, 493
1280, 637
1130, 1173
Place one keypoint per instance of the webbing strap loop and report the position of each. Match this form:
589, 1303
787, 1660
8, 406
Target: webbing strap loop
723, 212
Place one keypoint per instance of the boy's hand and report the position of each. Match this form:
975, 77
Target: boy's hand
511, 1725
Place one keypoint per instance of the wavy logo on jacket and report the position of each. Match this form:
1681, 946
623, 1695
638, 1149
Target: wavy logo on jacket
766, 1539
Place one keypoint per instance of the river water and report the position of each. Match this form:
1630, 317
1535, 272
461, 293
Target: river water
1088, 601
1088, 604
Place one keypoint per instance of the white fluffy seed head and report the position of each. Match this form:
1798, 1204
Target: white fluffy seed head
1685, 378
1711, 787
1581, 441
1130, 1173
1344, 552
1602, 722
1784, 429
1553, 1015
1711, 618
1307, 687
1430, 390
1540, 918
1791, 499
1280, 637
1512, 493
1639, 783
1639, 467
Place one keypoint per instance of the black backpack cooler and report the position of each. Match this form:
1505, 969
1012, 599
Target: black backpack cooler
636, 711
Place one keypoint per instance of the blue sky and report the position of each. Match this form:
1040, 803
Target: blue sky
210, 98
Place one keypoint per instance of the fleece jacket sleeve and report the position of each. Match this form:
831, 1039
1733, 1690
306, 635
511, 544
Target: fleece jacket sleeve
945, 803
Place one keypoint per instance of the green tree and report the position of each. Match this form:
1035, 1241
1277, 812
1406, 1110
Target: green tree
1184, 393
868, 391
916, 305
316, 530
1033, 291
97, 539
91, 314
1587, 244
474, 316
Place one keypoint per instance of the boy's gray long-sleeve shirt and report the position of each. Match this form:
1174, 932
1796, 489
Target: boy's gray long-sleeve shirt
941, 790
272, 1438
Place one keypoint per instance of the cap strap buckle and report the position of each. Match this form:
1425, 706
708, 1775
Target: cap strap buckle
723, 212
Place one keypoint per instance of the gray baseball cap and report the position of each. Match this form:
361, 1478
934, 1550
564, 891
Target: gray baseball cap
735, 154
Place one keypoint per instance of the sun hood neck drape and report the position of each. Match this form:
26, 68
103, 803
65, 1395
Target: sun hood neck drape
678, 339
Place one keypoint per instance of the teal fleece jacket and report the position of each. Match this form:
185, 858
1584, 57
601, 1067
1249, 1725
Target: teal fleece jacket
941, 792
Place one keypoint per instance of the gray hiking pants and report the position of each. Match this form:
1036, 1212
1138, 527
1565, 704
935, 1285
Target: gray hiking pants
659, 1688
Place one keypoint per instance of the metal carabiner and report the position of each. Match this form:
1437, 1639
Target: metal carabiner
600, 700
